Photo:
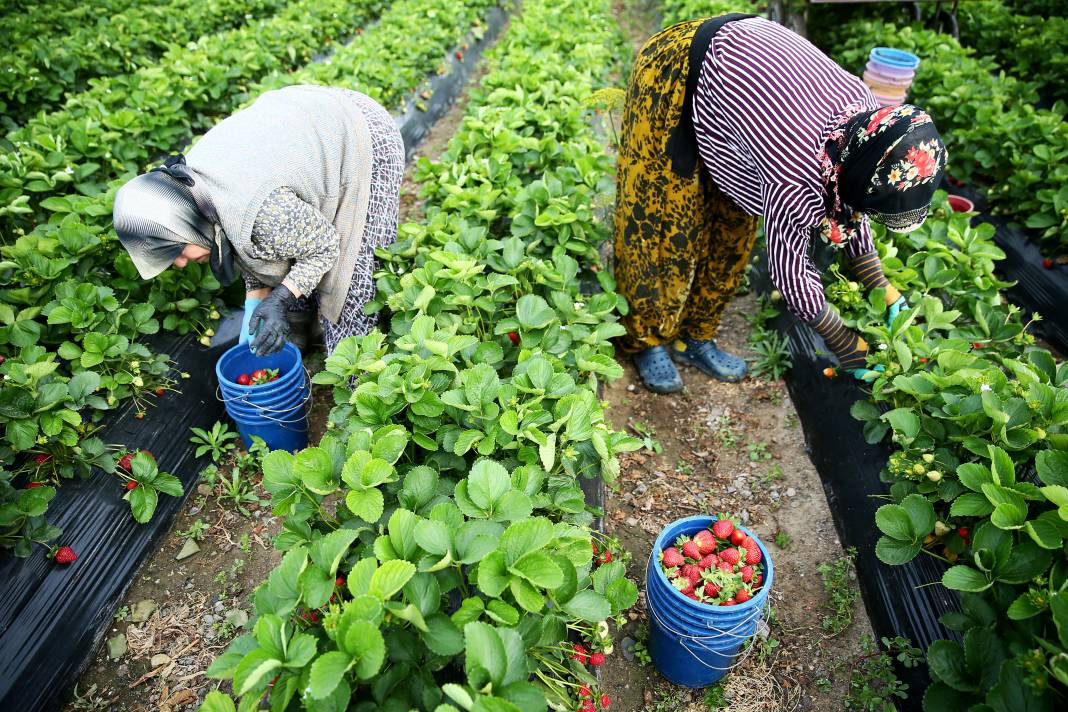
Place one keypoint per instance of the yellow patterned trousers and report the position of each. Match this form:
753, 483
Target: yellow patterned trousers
681, 246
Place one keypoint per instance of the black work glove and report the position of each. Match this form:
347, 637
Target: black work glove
269, 322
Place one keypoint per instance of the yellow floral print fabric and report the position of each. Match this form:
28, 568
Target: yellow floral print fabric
681, 246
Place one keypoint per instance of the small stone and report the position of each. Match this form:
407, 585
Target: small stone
775, 494
632, 522
763, 630
744, 516
117, 646
122, 671
632, 388
218, 606
237, 618
142, 611
194, 511
190, 548
628, 648
208, 619
204, 489
790, 492
640, 489
160, 660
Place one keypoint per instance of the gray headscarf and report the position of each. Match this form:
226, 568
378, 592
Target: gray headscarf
156, 216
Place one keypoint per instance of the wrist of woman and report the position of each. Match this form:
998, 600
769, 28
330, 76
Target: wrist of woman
846, 344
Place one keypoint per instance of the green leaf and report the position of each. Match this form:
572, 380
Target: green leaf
432, 536
589, 606
1052, 467
315, 468
487, 482
168, 484
368, 504
1023, 608
328, 551
254, 671
524, 537
538, 568
327, 672
534, 312
485, 650
946, 660
965, 578
974, 475
894, 521
493, 574
904, 421
363, 640
143, 502
217, 702
896, 552
1059, 607
921, 513
442, 636
391, 577
971, 504
1045, 533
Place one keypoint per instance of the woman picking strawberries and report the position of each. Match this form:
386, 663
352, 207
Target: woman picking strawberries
296, 192
731, 119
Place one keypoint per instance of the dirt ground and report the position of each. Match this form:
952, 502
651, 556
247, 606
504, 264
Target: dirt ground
723, 447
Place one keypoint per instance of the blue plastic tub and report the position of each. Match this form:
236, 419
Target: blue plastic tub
276, 411
240, 359
895, 58
692, 643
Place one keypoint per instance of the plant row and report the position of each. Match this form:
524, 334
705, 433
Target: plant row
978, 416
53, 17
123, 122
995, 135
41, 69
385, 64
438, 555
90, 331
1032, 48
676, 11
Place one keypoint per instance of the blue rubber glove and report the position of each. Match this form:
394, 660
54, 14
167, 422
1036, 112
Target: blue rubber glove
868, 374
895, 309
250, 306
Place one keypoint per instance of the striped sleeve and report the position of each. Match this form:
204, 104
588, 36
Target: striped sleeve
790, 266
863, 243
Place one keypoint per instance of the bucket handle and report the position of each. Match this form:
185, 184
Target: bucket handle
758, 614
264, 412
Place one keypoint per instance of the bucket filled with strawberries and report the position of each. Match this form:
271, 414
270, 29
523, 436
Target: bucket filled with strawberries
706, 590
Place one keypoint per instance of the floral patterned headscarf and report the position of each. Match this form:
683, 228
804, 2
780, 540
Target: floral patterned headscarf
886, 164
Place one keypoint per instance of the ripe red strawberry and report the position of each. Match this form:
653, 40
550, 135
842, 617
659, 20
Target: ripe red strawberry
160, 392
671, 558
737, 537
597, 659
65, 555
962, 532
244, 379
131, 485
34, 485
758, 580
125, 461
977, 345
339, 581
711, 590
580, 654
683, 585
691, 551
1047, 263
605, 700
747, 574
691, 573
41, 458
606, 558
459, 55
728, 602
828, 372
513, 337
708, 562
724, 566
593, 544
731, 556
692, 595
723, 528
588, 706
742, 596
706, 542
585, 691
752, 553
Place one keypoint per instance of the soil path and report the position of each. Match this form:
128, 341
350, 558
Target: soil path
736, 448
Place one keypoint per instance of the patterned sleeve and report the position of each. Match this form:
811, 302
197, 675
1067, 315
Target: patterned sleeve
788, 237
287, 228
863, 243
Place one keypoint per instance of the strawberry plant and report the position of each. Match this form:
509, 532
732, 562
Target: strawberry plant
978, 416
444, 495
144, 483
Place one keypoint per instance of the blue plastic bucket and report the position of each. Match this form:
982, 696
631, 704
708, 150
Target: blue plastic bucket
240, 359
894, 58
275, 411
692, 643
